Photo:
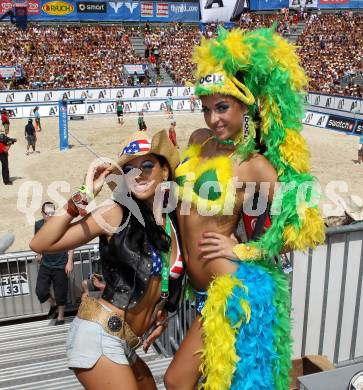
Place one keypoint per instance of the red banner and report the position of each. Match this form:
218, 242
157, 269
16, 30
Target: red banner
147, 9
162, 10
333, 1
33, 6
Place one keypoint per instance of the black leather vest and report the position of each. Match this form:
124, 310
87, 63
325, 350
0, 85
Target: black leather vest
126, 266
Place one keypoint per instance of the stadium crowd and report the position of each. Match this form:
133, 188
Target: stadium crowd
330, 46
331, 51
67, 57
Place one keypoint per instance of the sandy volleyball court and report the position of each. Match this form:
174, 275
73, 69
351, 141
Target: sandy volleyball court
39, 177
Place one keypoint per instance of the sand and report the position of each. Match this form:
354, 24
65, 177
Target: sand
37, 175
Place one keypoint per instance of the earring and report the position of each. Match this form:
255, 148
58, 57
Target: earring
165, 185
246, 120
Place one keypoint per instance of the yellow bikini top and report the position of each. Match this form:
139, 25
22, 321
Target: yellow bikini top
204, 183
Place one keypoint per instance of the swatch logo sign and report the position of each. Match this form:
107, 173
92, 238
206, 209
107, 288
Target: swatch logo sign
58, 8
339, 123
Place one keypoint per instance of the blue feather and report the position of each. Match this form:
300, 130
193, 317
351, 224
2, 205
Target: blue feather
254, 341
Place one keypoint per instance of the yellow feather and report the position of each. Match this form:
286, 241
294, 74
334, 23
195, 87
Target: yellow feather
311, 233
236, 46
203, 57
219, 355
294, 151
284, 55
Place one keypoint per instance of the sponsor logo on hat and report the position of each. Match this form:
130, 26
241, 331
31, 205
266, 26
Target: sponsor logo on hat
212, 79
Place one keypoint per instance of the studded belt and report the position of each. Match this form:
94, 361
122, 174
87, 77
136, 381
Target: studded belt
91, 310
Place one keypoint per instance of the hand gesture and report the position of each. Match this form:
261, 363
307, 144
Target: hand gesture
96, 176
160, 324
216, 245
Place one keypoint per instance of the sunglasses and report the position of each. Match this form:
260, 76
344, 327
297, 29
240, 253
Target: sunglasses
146, 167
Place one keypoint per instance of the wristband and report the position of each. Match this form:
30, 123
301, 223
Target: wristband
85, 190
247, 252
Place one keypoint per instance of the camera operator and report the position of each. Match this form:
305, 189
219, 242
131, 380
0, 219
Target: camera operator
5, 143
5, 120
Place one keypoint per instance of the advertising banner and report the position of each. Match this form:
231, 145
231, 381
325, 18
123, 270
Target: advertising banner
77, 109
7, 72
63, 125
115, 10
138, 68
303, 3
91, 7
184, 12
36, 97
33, 6
359, 128
221, 10
315, 119
341, 103
340, 3
339, 123
268, 4
162, 10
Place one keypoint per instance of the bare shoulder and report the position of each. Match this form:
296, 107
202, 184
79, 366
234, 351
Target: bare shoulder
256, 168
199, 136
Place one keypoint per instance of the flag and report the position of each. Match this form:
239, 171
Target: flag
137, 146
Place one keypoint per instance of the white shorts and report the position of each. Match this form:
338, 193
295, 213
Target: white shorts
87, 341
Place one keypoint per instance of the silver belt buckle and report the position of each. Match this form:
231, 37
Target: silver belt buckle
114, 323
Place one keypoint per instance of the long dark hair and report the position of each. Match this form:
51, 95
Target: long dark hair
155, 233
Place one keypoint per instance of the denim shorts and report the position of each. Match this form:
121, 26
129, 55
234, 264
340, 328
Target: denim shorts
87, 341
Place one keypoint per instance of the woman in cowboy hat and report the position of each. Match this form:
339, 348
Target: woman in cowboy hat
251, 88
141, 264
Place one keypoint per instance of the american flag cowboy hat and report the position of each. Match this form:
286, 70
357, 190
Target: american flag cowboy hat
140, 144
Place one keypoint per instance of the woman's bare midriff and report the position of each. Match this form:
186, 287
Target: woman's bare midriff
140, 317
201, 272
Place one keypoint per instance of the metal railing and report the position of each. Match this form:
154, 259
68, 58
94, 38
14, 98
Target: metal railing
327, 312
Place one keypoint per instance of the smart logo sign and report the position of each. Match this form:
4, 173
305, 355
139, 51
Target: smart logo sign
91, 7
58, 8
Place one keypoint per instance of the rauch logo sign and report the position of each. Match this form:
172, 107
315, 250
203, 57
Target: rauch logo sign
57, 8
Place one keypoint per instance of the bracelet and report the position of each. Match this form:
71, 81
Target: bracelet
72, 209
247, 252
80, 201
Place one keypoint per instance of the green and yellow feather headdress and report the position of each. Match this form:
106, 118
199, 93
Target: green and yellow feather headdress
262, 70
